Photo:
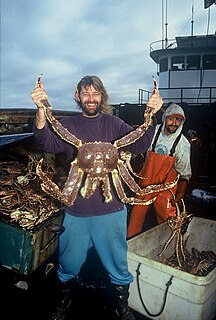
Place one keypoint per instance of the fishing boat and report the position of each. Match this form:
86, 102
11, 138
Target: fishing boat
186, 69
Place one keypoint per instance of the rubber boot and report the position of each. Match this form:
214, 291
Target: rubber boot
63, 300
122, 309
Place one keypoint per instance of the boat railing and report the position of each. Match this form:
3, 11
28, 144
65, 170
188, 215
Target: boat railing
189, 95
163, 44
20, 120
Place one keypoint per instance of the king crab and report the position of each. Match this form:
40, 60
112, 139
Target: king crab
99, 161
178, 224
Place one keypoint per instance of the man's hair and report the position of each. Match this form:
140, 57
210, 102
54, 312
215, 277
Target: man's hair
96, 82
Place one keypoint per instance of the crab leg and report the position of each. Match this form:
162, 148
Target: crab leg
122, 194
140, 131
158, 187
127, 178
69, 193
134, 135
106, 189
179, 250
89, 187
136, 188
73, 183
126, 156
58, 127
167, 243
47, 184
155, 90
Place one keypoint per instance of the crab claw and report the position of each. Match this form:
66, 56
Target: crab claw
38, 81
155, 89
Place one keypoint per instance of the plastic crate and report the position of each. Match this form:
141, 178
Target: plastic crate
189, 297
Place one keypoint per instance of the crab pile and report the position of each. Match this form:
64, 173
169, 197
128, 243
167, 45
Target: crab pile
22, 199
196, 263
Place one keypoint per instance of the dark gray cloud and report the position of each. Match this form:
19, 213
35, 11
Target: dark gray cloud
67, 39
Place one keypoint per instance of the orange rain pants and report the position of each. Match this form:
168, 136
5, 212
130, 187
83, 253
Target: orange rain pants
157, 169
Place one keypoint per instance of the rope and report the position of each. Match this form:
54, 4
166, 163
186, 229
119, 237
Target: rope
168, 284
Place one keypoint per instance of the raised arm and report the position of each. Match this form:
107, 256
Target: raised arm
38, 94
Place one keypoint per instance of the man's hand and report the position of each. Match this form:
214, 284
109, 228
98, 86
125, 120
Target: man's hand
38, 93
155, 101
180, 192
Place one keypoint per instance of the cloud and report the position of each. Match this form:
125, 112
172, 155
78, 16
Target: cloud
67, 39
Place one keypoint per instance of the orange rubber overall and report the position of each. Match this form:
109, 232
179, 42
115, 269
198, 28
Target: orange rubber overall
157, 169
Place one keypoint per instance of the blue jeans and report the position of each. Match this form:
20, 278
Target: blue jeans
106, 233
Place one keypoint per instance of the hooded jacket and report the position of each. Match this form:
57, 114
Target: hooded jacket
165, 143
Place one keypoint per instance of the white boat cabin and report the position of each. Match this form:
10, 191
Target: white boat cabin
186, 67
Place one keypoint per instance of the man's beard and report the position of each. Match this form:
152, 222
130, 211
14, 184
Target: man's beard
171, 129
90, 112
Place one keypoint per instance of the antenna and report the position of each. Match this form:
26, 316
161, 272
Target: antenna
166, 26
192, 21
162, 23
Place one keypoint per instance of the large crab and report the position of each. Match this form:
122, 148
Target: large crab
98, 162
178, 224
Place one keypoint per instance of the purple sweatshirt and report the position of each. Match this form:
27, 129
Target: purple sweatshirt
104, 127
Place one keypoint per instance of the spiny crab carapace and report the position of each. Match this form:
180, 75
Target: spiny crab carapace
96, 163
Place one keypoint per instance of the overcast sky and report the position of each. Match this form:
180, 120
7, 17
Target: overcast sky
68, 39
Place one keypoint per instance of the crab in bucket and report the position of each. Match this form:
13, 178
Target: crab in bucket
98, 164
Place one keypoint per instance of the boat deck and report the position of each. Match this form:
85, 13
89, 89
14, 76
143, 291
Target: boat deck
93, 292
37, 301
88, 299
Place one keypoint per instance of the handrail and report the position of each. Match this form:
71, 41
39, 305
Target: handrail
200, 95
163, 44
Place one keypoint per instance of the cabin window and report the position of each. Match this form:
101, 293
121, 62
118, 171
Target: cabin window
209, 61
177, 63
163, 64
193, 62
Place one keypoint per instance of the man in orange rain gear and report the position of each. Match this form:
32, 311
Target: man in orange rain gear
168, 156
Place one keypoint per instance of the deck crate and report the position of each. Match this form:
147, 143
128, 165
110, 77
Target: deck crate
189, 297
23, 250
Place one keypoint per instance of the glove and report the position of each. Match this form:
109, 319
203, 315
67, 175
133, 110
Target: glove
180, 192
